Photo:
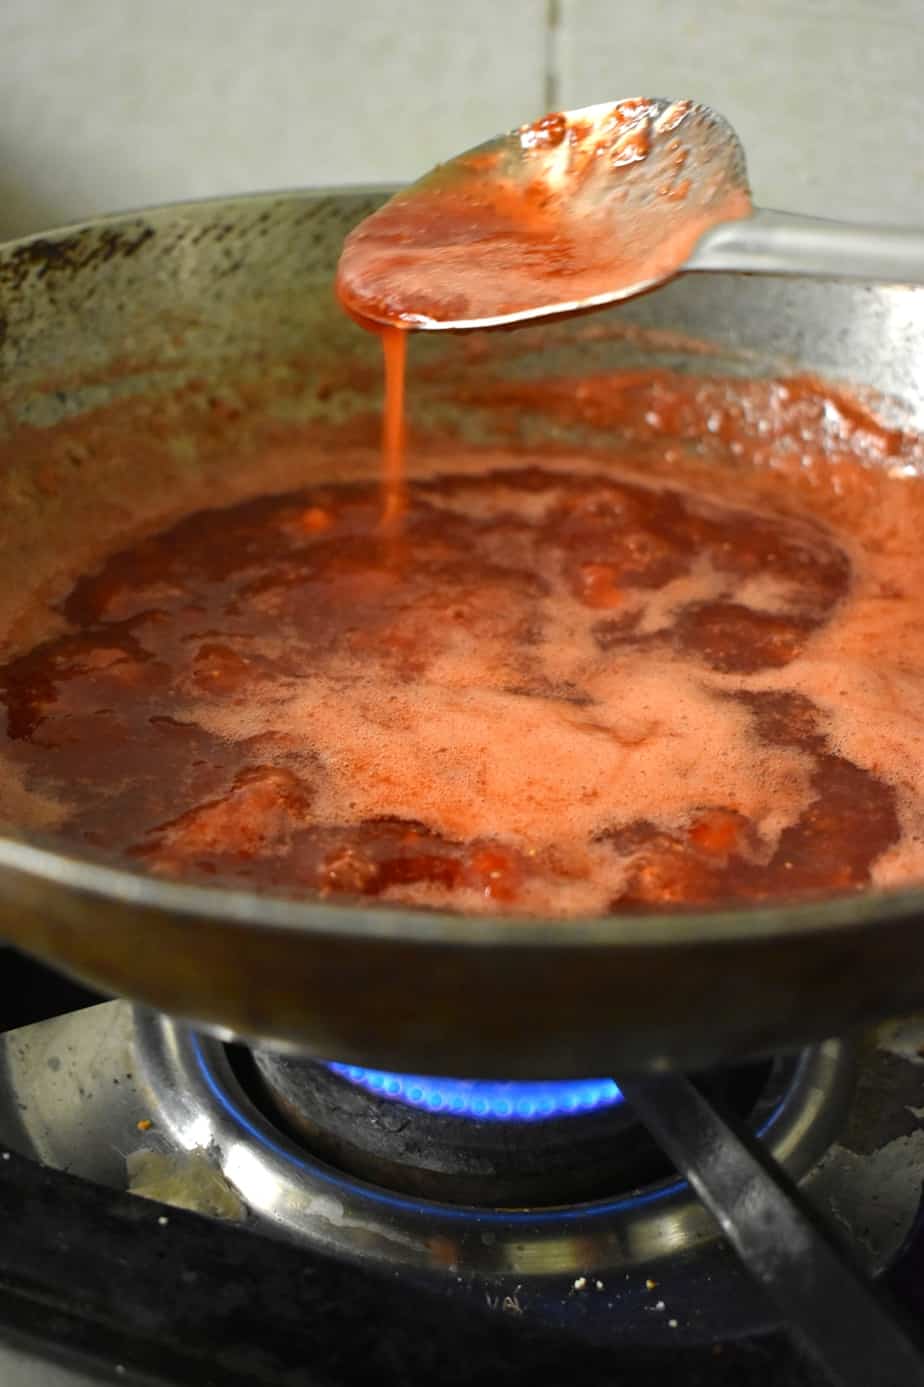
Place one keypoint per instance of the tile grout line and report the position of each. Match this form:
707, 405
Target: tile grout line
552, 74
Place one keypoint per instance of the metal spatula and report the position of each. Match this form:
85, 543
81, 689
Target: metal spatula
584, 208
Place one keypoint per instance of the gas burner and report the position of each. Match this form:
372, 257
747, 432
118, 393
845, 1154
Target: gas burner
130, 1099
486, 1100
482, 1142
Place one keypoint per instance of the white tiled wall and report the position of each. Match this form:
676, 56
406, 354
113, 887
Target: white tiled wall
827, 95
107, 104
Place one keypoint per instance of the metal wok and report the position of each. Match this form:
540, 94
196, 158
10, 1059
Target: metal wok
150, 363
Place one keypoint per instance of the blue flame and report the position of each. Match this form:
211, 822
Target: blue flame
487, 1100
261, 1134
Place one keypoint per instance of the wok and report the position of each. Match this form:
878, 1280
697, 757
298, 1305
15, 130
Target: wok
151, 363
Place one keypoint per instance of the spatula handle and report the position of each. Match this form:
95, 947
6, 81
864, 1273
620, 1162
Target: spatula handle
785, 243
828, 1305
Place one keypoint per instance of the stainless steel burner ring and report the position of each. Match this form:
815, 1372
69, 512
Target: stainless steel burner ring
201, 1104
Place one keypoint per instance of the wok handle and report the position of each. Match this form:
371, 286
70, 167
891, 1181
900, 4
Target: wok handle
789, 244
830, 1308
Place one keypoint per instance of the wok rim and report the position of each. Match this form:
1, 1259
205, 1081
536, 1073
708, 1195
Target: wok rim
157, 210
277, 913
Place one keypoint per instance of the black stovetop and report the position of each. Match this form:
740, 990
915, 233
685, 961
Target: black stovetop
83, 1283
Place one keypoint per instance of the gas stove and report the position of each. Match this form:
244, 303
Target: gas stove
184, 1211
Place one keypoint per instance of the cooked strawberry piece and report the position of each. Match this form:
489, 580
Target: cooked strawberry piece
496, 872
218, 669
257, 815
718, 832
736, 639
597, 585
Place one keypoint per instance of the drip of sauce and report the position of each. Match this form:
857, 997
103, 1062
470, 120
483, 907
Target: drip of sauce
572, 206
394, 483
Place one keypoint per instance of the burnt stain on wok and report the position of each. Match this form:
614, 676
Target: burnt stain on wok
42, 256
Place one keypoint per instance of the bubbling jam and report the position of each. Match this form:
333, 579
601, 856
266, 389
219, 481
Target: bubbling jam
561, 688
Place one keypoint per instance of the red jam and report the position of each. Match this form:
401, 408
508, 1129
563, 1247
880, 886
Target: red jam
560, 689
